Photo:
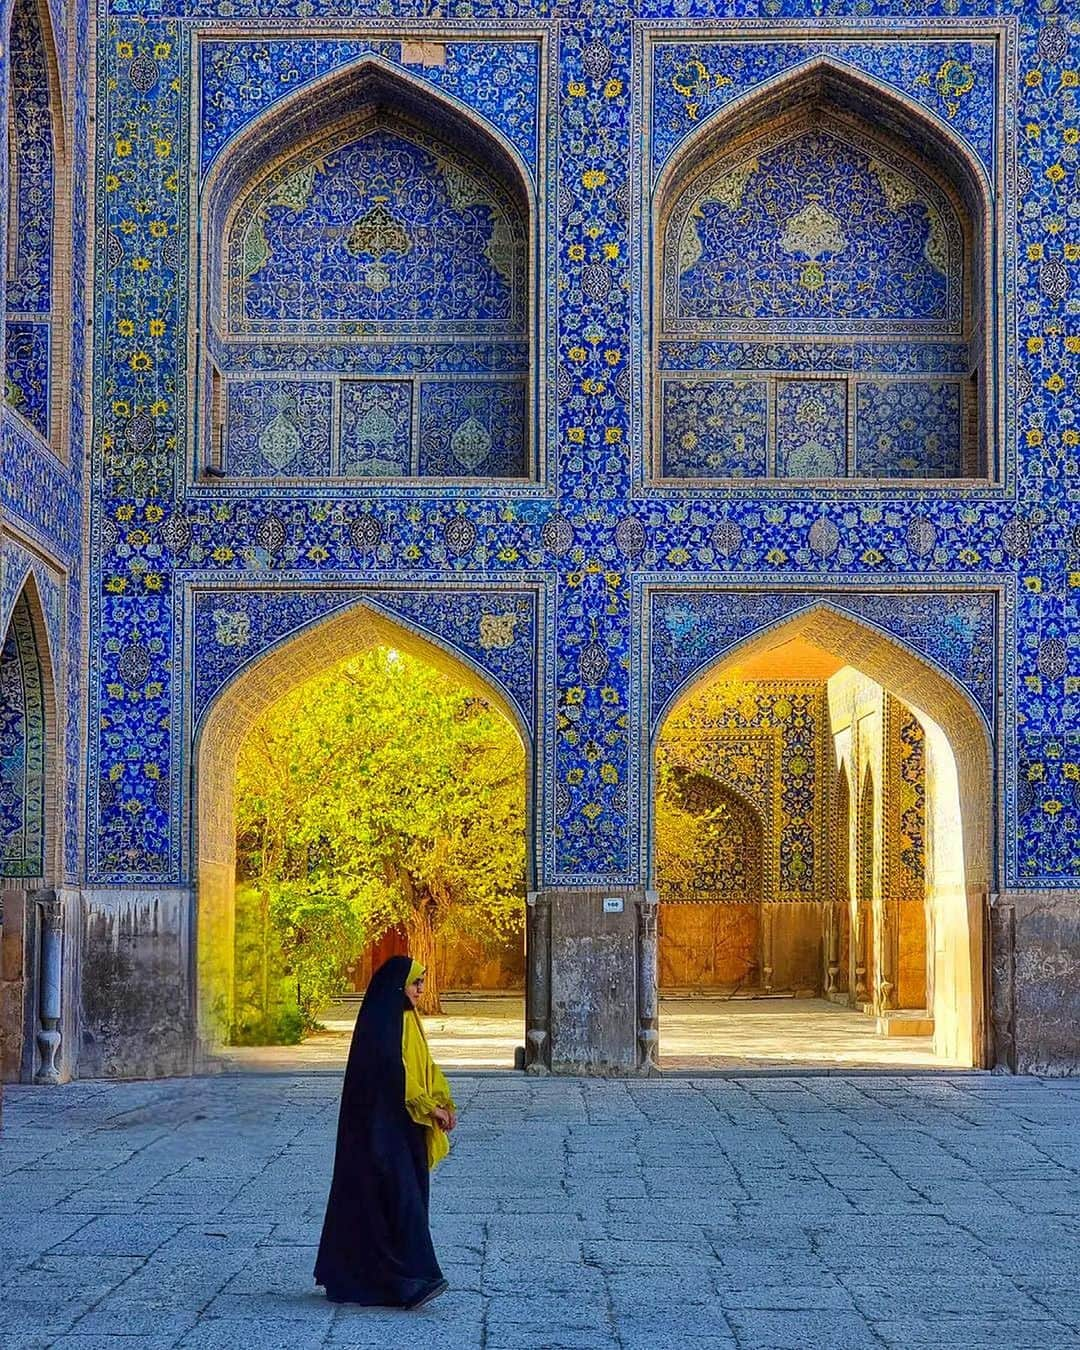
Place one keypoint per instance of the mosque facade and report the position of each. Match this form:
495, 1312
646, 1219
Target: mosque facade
596, 353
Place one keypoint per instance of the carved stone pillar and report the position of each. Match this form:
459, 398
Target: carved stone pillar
767, 939
887, 932
833, 920
647, 992
51, 919
538, 983
859, 943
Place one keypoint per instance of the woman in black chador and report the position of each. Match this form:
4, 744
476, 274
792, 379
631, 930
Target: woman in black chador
396, 1109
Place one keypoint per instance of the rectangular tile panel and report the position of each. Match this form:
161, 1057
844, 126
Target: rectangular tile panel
908, 429
376, 428
713, 428
278, 428
472, 428
811, 428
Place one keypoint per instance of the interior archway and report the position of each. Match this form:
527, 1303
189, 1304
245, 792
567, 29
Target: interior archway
253, 691
822, 210
876, 910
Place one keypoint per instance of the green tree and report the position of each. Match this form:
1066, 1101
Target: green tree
380, 794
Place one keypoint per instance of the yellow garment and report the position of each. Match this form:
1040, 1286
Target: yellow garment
425, 1086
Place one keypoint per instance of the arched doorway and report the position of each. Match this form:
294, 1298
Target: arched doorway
797, 708
709, 879
315, 651
31, 926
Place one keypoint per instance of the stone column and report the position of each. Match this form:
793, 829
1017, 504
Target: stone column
51, 926
647, 991
833, 920
768, 963
887, 932
538, 983
859, 943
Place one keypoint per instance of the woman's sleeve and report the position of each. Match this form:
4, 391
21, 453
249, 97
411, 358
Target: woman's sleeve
419, 1101
441, 1088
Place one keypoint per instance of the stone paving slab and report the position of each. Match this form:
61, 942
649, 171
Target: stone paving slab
682, 1214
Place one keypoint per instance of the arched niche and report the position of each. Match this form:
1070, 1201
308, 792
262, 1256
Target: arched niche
368, 256
29, 833
28, 736
37, 224
723, 863
217, 742
960, 810
822, 291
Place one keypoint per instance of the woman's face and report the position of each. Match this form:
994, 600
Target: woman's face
414, 990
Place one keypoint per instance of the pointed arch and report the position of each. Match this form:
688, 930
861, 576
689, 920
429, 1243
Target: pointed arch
443, 253
961, 815
729, 868
217, 740
922, 265
29, 742
371, 81
827, 78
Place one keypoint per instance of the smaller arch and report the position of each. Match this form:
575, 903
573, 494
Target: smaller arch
216, 742
393, 215
739, 875
29, 745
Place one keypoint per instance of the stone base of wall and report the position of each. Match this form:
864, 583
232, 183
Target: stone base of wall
591, 995
1035, 982
136, 984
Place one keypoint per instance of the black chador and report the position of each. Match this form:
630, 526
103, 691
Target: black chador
376, 1245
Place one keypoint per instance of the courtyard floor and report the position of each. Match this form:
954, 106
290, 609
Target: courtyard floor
766, 1213
695, 1033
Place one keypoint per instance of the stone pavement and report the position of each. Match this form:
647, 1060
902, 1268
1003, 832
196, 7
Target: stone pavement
817, 1212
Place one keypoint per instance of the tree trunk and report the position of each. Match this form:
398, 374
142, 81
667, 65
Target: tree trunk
421, 935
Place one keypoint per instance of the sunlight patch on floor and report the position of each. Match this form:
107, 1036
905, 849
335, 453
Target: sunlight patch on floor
695, 1033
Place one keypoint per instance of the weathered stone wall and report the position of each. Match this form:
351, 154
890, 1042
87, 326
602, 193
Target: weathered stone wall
137, 1005
1035, 975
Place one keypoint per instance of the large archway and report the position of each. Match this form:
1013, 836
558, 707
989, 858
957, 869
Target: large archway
879, 933
316, 650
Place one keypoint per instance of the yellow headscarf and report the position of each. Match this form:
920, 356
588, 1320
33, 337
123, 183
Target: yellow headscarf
415, 971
